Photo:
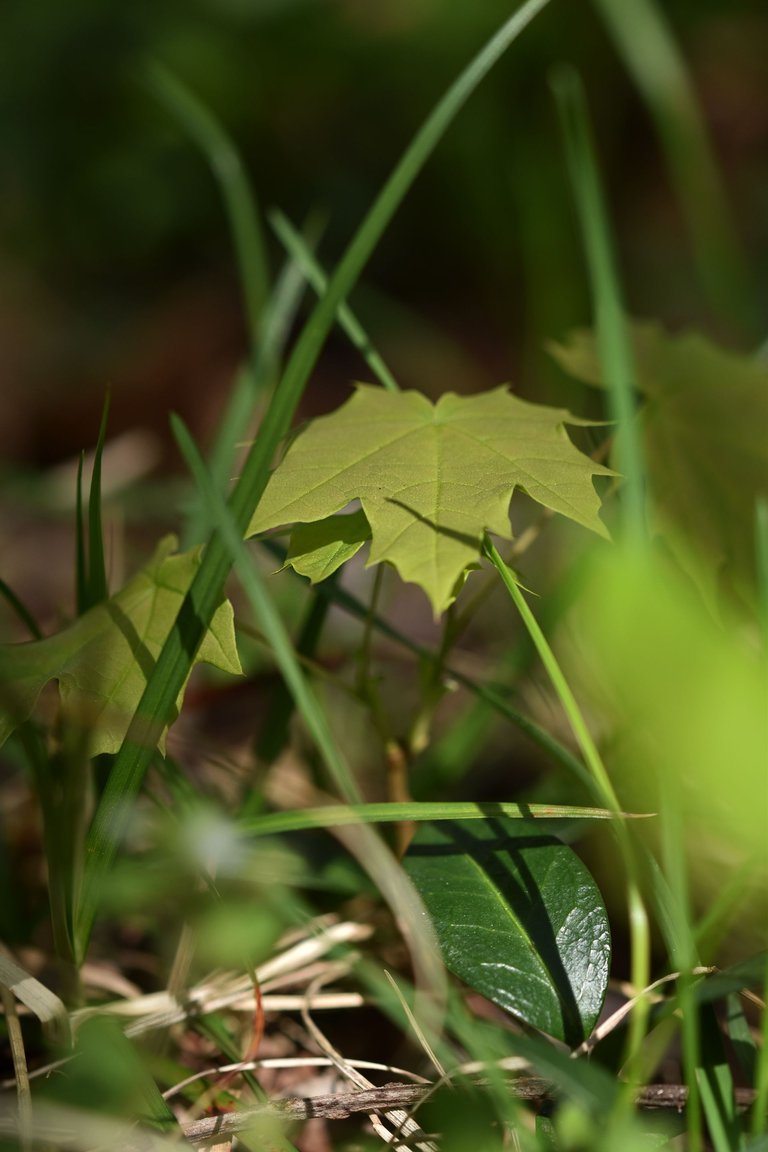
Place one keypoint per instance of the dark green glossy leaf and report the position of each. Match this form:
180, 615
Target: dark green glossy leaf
518, 918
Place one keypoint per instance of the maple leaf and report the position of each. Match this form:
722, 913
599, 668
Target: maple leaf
103, 659
431, 479
703, 426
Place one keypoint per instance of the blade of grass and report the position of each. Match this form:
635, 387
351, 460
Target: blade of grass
81, 571
212, 139
39, 999
742, 1042
646, 43
276, 734
174, 661
348, 322
715, 1083
20, 609
760, 1108
20, 1070
683, 955
333, 816
376, 858
761, 553
612, 336
251, 382
97, 570
638, 917
265, 311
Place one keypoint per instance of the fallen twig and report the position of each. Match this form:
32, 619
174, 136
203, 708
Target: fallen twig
339, 1106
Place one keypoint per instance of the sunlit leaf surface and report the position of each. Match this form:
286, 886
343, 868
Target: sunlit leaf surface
103, 659
518, 918
431, 478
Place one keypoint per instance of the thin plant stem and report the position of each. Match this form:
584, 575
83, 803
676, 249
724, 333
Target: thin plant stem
238, 196
364, 666
21, 610
20, 1069
336, 816
646, 43
300, 252
638, 917
612, 336
81, 573
761, 555
684, 958
760, 1107
761, 546
97, 570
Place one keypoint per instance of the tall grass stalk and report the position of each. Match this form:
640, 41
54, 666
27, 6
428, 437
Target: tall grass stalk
612, 335
639, 932
242, 211
647, 46
760, 1107
299, 251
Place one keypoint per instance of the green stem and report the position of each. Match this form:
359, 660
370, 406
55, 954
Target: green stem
646, 42
20, 609
684, 957
613, 341
299, 251
760, 1107
336, 816
638, 917
214, 142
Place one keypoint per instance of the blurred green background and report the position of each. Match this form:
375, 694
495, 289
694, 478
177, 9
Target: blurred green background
116, 266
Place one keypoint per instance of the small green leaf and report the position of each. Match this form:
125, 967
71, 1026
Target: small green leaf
102, 660
318, 549
432, 478
518, 918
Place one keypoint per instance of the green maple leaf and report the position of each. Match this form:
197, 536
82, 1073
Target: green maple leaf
103, 659
703, 425
318, 549
431, 479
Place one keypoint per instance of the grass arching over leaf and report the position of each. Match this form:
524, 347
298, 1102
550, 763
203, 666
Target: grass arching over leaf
431, 478
102, 661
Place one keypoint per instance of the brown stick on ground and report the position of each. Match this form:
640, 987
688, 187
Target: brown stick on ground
339, 1106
